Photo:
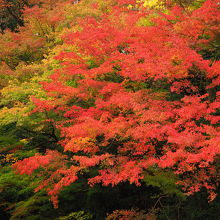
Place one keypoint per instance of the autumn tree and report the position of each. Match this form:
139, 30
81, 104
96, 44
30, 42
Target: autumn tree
134, 97
113, 80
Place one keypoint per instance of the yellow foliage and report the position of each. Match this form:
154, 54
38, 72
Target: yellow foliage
9, 158
24, 141
158, 4
10, 115
81, 143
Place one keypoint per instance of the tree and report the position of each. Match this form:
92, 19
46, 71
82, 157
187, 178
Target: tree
133, 94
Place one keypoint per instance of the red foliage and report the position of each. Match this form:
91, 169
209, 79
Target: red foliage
28, 165
131, 124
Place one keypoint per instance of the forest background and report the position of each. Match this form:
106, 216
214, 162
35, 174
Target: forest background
109, 109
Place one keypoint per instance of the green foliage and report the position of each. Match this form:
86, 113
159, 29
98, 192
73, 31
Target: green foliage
14, 188
81, 215
194, 207
165, 181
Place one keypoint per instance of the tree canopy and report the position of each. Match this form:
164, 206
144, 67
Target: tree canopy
105, 97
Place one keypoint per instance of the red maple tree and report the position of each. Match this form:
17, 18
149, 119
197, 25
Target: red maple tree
134, 92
